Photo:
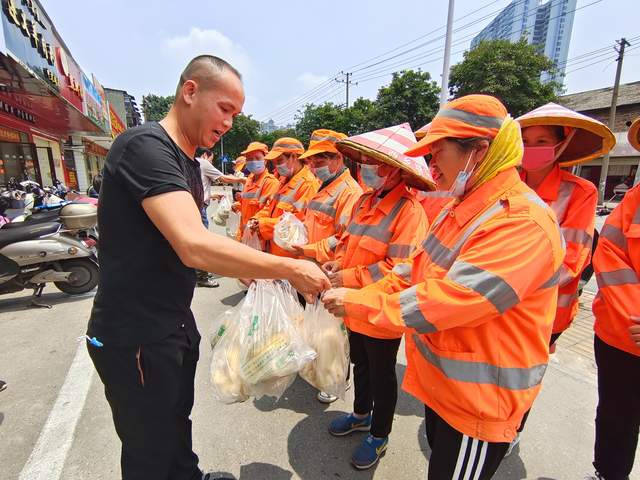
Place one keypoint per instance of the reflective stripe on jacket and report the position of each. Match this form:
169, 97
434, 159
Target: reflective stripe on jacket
255, 194
328, 214
292, 197
574, 201
477, 302
381, 234
616, 263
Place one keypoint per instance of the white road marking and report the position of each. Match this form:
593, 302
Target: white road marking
48, 456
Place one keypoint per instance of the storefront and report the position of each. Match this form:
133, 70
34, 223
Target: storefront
43, 100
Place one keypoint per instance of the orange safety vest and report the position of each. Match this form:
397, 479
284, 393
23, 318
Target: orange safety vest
255, 194
328, 214
381, 234
477, 302
574, 201
616, 263
293, 196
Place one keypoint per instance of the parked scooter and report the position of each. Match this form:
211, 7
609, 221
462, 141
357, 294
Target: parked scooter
36, 254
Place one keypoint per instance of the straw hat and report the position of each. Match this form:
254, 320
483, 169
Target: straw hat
388, 145
592, 139
634, 134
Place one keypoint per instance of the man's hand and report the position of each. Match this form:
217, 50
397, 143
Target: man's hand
334, 301
236, 207
634, 330
307, 278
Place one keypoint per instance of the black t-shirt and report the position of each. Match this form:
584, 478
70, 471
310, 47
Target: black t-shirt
145, 291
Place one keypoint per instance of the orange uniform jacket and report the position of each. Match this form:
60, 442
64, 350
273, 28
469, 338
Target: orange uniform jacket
574, 201
477, 302
255, 194
432, 205
379, 236
616, 263
293, 196
328, 214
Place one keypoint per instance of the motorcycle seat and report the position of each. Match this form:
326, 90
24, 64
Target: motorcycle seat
28, 232
39, 217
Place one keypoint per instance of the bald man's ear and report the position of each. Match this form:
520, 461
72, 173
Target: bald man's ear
188, 90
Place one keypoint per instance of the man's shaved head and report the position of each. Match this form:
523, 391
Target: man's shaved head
205, 71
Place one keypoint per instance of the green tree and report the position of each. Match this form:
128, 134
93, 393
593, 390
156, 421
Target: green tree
509, 71
244, 131
271, 137
363, 116
410, 97
155, 107
312, 117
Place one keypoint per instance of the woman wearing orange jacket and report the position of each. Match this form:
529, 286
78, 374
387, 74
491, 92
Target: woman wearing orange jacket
386, 226
476, 301
555, 138
616, 263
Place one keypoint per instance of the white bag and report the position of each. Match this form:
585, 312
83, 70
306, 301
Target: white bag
290, 231
224, 207
260, 352
233, 223
327, 335
251, 239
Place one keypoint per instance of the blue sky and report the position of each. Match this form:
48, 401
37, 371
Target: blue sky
288, 48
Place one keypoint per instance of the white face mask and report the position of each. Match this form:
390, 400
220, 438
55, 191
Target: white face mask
370, 177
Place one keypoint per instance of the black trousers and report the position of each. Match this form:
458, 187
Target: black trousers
457, 456
375, 382
150, 389
618, 414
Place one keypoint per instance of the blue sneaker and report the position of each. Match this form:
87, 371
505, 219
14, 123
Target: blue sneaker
369, 452
346, 424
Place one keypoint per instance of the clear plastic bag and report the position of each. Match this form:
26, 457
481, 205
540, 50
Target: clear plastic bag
260, 351
228, 386
224, 207
290, 231
251, 239
327, 335
233, 223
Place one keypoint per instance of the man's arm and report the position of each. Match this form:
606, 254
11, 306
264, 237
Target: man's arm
176, 215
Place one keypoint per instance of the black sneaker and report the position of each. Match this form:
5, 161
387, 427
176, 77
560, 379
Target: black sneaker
208, 282
3, 385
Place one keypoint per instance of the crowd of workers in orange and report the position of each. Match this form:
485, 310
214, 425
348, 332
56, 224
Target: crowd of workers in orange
474, 256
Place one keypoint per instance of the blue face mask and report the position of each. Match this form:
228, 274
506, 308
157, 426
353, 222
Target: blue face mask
459, 186
370, 177
284, 170
255, 166
323, 173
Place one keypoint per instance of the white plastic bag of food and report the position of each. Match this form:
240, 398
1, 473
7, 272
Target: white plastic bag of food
290, 231
251, 239
327, 335
271, 347
233, 223
228, 386
224, 207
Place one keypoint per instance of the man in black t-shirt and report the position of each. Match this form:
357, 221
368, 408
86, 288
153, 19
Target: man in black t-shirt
151, 240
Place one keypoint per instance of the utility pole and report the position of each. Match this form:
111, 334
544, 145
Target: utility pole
444, 92
612, 117
347, 82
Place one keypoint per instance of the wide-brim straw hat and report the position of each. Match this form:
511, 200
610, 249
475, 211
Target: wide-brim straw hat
592, 139
634, 134
388, 145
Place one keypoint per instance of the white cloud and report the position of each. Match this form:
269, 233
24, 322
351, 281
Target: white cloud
209, 42
310, 80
